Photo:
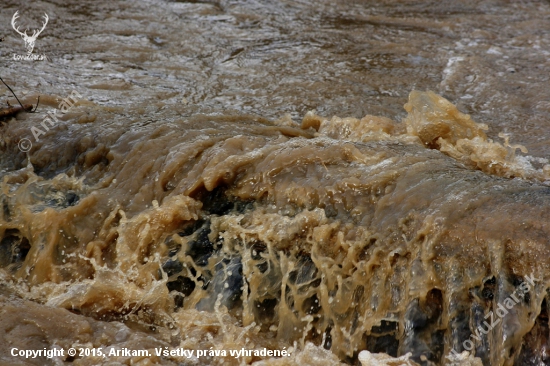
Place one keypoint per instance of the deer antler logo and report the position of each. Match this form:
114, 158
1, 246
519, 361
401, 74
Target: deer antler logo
29, 40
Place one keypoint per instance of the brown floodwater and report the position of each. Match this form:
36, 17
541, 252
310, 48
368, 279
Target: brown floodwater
325, 178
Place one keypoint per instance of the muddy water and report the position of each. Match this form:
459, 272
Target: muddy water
200, 194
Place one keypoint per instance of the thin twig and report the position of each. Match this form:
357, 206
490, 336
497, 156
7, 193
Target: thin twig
30, 110
7, 86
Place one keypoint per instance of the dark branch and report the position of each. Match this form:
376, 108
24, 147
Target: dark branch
27, 109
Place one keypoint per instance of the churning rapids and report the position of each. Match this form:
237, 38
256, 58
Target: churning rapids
198, 193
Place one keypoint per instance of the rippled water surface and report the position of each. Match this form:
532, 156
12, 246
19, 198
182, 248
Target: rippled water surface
198, 192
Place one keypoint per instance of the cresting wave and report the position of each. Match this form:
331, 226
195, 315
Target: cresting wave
233, 232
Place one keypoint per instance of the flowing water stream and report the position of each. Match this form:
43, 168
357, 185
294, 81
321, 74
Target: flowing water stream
185, 182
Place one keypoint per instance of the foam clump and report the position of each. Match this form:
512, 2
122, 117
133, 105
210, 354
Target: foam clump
432, 117
439, 125
381, 359
463, 359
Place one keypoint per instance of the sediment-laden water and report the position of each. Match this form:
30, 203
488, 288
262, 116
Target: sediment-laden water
187, 185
